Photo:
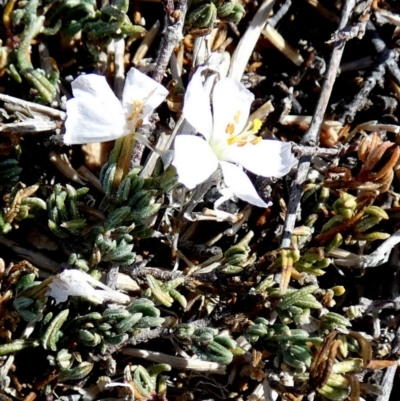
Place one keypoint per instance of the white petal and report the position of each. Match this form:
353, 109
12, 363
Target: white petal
231, 105
94, 114
72, 283
226, 193
267, 158
106, 292
194, 160
141, 96
76, 283
196, 107
240, 184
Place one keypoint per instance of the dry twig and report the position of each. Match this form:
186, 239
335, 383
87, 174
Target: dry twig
311, 137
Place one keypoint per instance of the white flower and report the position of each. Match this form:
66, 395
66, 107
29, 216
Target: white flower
74, 283
229, 138
96, 115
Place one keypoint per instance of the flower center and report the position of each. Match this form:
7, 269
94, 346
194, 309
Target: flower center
247, 135
136, 113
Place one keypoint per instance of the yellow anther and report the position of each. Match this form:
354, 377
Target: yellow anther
247, 135
236, 117
257, 123
230, 129
256, 140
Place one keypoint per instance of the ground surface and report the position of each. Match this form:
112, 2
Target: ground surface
297, 301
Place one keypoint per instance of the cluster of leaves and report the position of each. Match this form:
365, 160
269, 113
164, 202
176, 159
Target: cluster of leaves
327, 358
20, 205
59, 332
203, 14
148, 383
352, 215
128, 210
30, 23
63, 208
297, 352
136, 193
207, 344
95, 329
164, 293
112, 326
98, 27
36, 17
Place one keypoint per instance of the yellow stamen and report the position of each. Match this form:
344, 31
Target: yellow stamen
137, 109
256, 140
230, 129
257, 123
236, 117
247, 135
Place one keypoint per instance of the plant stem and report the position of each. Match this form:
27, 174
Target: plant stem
311, 136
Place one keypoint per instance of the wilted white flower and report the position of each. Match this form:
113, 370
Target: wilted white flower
74, 283
229, 138
95, 114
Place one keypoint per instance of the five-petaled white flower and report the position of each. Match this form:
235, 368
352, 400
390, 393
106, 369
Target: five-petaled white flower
96, 115
229, 138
